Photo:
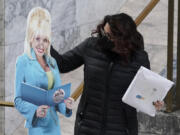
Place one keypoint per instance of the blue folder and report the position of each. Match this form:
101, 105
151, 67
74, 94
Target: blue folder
39, 96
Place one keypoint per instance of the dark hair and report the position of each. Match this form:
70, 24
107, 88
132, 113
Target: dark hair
125, 35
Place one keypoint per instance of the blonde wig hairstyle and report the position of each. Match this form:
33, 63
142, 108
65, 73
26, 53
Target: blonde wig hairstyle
38, 23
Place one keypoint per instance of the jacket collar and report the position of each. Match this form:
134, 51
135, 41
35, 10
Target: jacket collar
33, 54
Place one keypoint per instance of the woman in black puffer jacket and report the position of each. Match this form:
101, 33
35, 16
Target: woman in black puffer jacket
111, 60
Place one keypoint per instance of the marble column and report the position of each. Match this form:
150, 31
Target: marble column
2, 69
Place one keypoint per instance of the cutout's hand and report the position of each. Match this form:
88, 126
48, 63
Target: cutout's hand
69, 102
42, 111
58, 96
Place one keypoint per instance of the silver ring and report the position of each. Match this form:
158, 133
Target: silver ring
42, 112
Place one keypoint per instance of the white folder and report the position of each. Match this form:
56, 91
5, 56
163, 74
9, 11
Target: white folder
145, 88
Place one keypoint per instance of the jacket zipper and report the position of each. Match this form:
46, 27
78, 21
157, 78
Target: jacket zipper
106, 99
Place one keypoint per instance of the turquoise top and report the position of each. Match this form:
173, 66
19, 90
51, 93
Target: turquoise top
50, 79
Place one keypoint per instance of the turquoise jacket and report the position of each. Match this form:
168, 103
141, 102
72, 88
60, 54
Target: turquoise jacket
29, 71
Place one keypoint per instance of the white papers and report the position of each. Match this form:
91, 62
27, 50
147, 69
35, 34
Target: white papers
146, 88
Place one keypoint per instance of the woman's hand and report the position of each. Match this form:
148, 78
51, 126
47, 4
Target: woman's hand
158, 105
58, 96
42, 111
69, 102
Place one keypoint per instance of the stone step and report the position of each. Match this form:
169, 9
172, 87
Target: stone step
161, 124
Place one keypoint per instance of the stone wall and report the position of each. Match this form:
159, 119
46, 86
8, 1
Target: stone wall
162, 124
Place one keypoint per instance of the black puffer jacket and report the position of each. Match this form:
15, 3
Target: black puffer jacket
101, 110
